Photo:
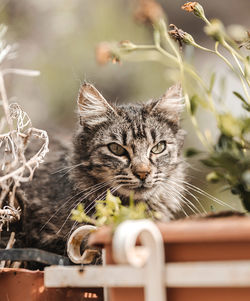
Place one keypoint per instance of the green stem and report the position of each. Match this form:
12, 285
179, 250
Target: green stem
206, 20
167, 54
228, 63
181, 67
144, 47
234, 53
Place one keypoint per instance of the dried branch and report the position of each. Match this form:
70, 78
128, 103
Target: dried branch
16, 133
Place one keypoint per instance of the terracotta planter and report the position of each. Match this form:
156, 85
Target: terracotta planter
205, 240
26, 285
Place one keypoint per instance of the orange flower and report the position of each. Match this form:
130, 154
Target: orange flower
148, 11
189, 6
196, 8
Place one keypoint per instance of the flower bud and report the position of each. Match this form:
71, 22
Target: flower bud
180, 36
188, 39
194, 7
127, 45
199, 11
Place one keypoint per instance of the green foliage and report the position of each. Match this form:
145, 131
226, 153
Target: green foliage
194, 103
245, 104
228, 155
231, 163
112, 212
191, 152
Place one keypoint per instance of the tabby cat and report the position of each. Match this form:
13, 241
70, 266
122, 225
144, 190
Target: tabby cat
122, 148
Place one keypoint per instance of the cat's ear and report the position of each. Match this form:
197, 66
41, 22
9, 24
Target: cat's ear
171, 103
92, 106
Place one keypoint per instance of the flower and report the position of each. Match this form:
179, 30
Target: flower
196, 8
148, 11
104, 54
180, 36
189, 6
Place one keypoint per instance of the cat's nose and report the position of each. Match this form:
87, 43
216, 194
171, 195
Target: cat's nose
141, 171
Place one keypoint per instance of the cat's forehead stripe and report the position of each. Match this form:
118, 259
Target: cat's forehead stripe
124, 138
153, 134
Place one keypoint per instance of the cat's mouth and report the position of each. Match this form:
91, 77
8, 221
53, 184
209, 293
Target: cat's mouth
140, 187
143, 186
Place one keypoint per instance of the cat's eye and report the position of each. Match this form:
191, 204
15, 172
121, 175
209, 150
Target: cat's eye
159, 148
117, 149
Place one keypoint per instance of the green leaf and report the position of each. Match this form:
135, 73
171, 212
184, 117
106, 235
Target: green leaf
193, 104
191, 151
212, 81
239, 96
246, 125
246, 106
213, 177
111, 212
209, 162
229, 125
79, 215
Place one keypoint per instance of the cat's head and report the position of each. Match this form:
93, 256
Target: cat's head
129, 147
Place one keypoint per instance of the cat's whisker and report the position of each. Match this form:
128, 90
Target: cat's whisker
103, 193
77, 194
122, 176
179, 205
63, 205
99, 197
69, 168
91, 205
206, 194
191, 194
188, 203
77, 202
128, 183
135, 185
182, 196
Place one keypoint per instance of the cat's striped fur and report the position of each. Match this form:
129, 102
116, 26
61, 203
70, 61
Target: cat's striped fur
137, 128
121, 148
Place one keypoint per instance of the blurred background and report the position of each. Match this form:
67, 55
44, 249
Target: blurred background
59, 38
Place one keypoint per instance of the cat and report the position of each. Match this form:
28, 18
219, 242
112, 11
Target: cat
135, 147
